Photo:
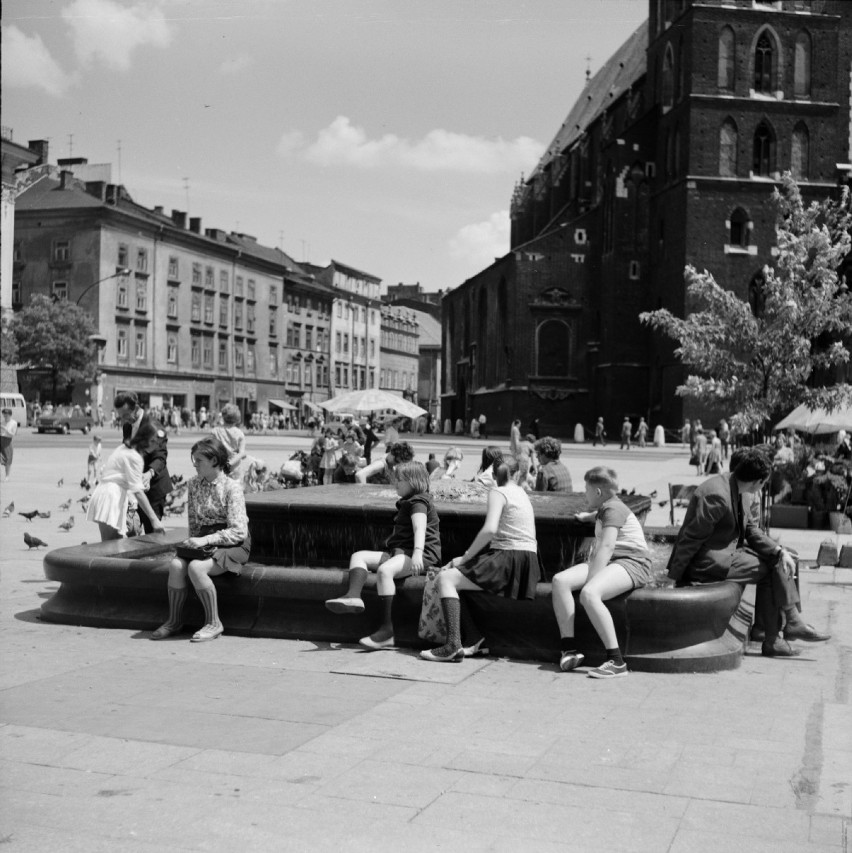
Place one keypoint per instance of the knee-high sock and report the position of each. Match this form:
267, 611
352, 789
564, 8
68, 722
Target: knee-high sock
386, 625
210, 603
177, 598
357, 579
451, 609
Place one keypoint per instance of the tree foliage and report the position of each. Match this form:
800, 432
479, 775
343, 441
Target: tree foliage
8, 342
54, 337
760, 358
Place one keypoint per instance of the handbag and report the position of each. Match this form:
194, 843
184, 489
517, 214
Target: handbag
205, 552
431, 625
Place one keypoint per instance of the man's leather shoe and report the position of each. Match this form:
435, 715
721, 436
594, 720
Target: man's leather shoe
779, 649
805, 632
757, 635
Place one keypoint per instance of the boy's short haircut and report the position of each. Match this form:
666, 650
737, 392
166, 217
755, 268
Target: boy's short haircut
401, 451
602, 476
549, 447
751, 464
415, 474
505, 469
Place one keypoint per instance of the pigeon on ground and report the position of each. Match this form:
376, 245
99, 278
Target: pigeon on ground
653, 494
9, 510
33, 541
633, 491
29, 516
44, 514
662, 503
68, 524
67, 505
61, 483
84, 484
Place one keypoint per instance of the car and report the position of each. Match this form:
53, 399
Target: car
64, 419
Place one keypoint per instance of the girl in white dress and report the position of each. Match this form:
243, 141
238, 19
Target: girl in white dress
122, 476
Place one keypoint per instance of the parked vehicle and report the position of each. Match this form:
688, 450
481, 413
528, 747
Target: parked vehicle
16, 403
64, 419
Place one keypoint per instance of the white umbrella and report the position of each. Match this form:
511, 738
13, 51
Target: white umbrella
372, 400
818, 420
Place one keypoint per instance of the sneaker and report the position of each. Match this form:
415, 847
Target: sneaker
208, 632
570, 660
610, 669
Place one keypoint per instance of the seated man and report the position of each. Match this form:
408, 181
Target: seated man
552, 475
719, 540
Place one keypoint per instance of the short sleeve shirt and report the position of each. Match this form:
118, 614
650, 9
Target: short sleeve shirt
630, 539
403, 530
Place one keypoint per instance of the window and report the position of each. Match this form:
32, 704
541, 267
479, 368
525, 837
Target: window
195, 351
250, 358
763, 161
339, 312
196, 274
725, 73
802, 66
373, 318
297, 334
141, 294
273, 294
238, 286
252, 290
195, 314
238, 315
799, 152
337, 340
17, 296
309, 337
140, 346
122, 298
764, 64
141, 260
207, 353
338, 374
223, 311
363, 315
224, 281
553, 344
354, 346
171, 348
373, 348
60, 290
273, 362
346, 344
634, 271
250, 318
173, 267
728, 149
667, 83
172, 303
309, 375
62, 250
208, 308
740, 229
273, 322
223, 355
123, 255
121, 343
289, 334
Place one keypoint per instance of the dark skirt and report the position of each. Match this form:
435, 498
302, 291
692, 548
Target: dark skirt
233, 557
513, 574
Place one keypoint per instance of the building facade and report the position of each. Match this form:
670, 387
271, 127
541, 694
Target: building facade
668, 158
400, 334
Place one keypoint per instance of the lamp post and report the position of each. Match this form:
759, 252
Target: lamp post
119, 272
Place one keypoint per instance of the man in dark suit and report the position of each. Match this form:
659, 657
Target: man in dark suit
720, 540
155, 470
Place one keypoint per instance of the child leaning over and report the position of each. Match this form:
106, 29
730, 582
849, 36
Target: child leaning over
619, 562
413, 547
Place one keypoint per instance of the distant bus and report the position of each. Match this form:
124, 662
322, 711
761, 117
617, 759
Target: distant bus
16, 403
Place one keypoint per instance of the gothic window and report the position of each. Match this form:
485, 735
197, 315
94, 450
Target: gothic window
728, 149
676, 144
802, 66
740, 229
725, 77
763, 161
757, 294
667, 91
764, 64
483, 333
553, 346
799, 152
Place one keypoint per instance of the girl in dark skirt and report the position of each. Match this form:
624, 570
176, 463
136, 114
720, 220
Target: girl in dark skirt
218, 524
503, 560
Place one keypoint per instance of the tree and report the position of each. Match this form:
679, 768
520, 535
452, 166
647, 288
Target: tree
761, 357
8, 342
54, 337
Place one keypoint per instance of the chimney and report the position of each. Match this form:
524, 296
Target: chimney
179, 218
111, 194
72, 161
97, 189
216, 234
158, 209
195, 224
39, 147
65, 178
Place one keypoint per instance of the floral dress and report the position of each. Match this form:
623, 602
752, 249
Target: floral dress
217, 513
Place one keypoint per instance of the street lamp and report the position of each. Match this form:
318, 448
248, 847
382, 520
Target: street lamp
119, 272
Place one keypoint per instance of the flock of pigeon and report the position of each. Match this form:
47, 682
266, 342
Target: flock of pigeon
175, 505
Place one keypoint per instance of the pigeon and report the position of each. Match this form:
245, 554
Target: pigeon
68, 524
29, 516
662, 503
84, 484
9, 510
653, 494
61, 483
33, 541
633, 491
44, 514
67, 505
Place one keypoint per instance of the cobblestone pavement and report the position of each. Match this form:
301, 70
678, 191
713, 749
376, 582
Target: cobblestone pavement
110, 742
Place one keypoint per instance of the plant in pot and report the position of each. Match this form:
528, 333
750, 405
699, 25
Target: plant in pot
827, 494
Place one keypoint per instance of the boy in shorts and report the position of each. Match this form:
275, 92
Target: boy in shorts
619, 562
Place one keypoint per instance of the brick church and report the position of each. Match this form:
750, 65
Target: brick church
668, 158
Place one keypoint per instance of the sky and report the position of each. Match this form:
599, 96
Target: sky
385, 134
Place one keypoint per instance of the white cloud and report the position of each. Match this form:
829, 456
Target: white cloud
342, 143
482, 242
105, 30
27, 62
236, 64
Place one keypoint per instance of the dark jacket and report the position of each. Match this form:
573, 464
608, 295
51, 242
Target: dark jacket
155, 460
714, 528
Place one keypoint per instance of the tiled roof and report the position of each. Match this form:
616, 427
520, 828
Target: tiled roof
45, 194
274, 255
429, 329
620, 72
